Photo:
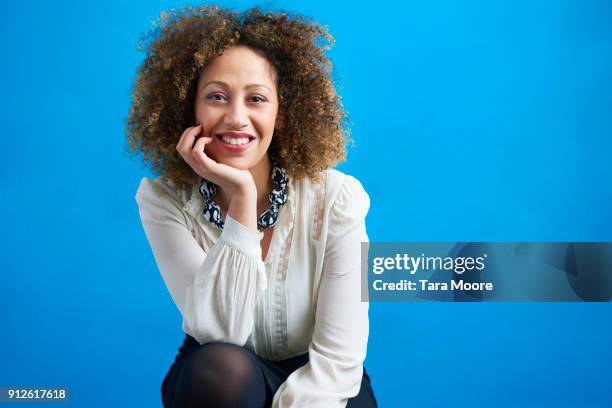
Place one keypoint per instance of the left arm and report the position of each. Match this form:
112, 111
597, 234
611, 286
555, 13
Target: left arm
338, 347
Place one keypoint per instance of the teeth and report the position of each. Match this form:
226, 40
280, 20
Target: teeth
235, 141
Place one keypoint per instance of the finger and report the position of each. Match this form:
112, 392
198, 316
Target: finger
179, 145
200, 144
187, 138
198, 151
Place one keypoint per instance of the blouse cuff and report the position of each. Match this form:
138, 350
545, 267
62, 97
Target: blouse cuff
241, 237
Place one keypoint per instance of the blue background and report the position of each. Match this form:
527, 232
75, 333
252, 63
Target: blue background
473, 120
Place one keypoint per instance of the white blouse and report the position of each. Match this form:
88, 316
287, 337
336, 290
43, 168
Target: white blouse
304, 297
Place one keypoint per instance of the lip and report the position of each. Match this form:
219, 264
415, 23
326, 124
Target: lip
234, 148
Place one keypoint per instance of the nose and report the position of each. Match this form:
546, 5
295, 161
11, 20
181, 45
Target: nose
236, 116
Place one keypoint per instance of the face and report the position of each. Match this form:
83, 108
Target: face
237, 104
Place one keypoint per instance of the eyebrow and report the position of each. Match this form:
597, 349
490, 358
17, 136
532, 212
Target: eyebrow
223, 84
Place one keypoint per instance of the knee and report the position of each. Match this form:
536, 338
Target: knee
222, 362
221, 370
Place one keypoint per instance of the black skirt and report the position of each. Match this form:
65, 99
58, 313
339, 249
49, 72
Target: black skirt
274, 373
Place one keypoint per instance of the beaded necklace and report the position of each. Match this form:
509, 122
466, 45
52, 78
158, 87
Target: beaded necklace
278, 197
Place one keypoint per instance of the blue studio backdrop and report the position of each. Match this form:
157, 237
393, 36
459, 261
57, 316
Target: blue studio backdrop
473, 121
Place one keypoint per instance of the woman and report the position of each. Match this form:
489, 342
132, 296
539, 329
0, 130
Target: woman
256, 237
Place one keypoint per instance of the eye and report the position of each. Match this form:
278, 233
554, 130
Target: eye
258, 98
215, 97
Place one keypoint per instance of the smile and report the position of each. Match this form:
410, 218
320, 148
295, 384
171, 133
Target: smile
235, 141
235, 144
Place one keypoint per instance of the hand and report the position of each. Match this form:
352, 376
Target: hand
232, 180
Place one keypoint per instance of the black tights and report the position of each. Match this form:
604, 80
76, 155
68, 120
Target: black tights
220, 375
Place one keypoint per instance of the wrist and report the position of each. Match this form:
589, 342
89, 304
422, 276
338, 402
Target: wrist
243, 207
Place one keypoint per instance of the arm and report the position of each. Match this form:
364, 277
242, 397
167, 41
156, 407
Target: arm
215, 292
338, 347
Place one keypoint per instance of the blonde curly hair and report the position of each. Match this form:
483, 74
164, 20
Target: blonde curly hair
314, 131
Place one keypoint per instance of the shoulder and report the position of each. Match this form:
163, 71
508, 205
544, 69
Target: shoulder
329, 185
344, 189
161, 191
346, 201
332, 199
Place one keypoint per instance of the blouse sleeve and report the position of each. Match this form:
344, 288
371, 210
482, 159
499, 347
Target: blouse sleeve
216, 292
338, 347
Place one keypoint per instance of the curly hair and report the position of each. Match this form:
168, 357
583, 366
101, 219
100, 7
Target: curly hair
314, 130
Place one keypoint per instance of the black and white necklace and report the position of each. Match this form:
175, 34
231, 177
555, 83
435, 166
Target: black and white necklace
278, 197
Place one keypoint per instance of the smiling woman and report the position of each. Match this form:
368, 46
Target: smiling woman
257, 238
237, 112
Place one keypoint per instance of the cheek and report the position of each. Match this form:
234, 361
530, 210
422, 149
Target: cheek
205, 117
268, 120
199, 115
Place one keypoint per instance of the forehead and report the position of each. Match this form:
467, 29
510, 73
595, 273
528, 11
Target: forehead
239, 65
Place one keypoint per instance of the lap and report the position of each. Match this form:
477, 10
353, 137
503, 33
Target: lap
274, 374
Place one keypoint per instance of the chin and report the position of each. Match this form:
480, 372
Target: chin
239, 163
